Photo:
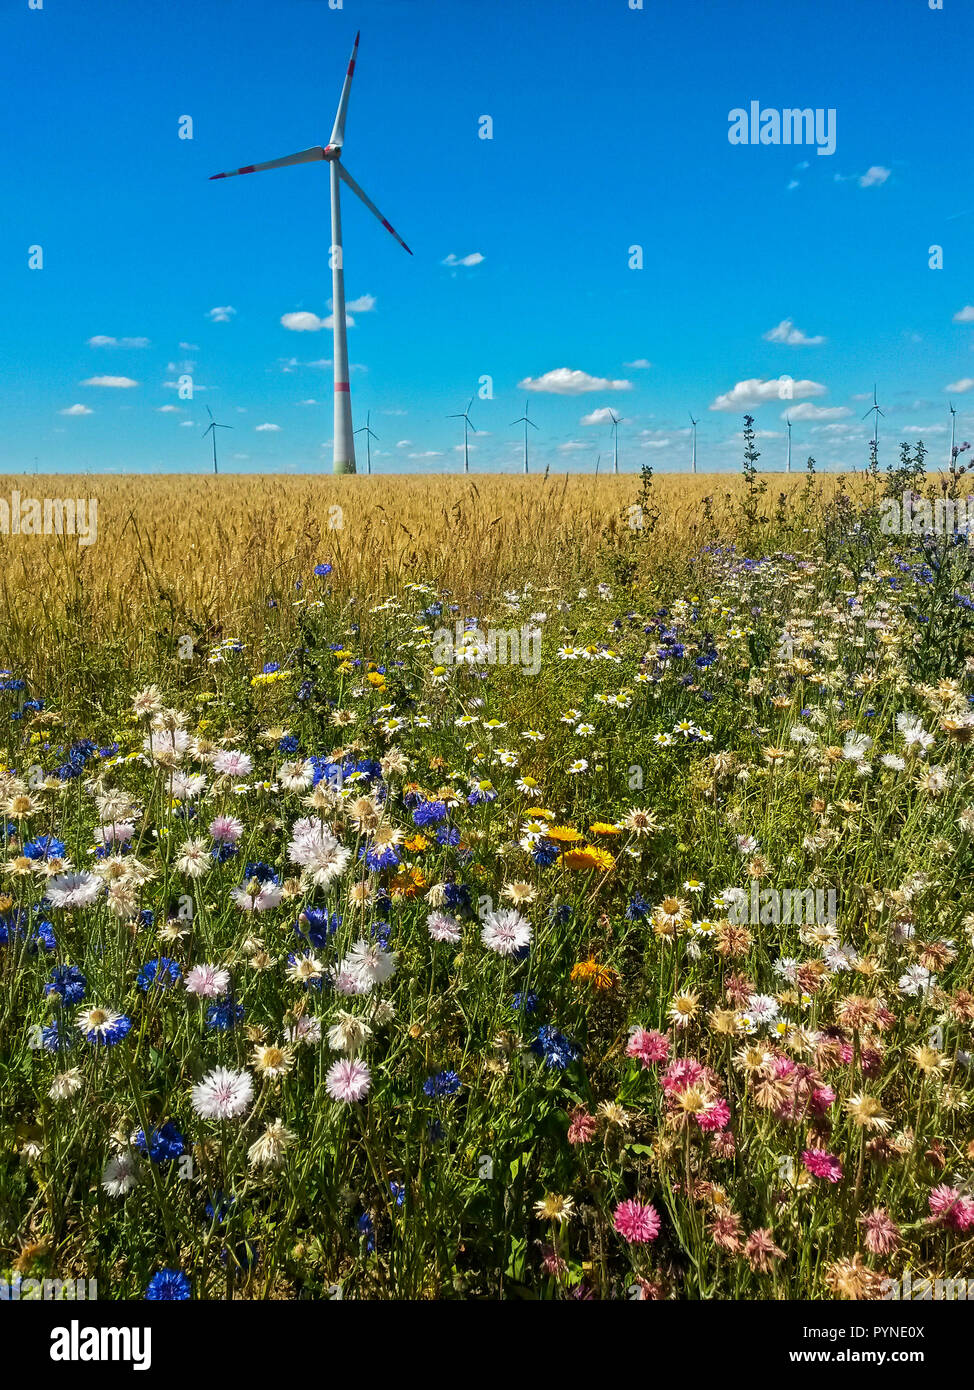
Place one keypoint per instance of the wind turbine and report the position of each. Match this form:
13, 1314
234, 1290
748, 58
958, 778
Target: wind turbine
213, 427
952, 458
788, 464
465, 417
597, 462
370, 434
344, 446
875, 406
615, 435
525, 421
693, 445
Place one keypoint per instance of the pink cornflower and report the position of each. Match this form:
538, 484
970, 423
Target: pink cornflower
716, 1117
209, 981
348, 1080
680, 1074
506, 932
882, 1234
648, 1047
822, 1164
551, 1262
582, 1127
233, 763
443, 927
223, 1094
636, 1222
226, 830
952, 1208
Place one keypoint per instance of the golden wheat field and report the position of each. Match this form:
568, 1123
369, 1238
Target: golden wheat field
203, 547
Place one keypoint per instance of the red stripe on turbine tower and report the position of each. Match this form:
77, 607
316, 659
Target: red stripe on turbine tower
342, 386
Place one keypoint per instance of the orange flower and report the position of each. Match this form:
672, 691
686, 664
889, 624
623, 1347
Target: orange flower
600, 977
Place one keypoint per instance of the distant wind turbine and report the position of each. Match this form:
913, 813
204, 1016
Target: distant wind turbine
525, 421
693, 445
370, 434
212, 428
788, 464
951, 457
875, 407
343, 459
597, 462
464, 415
615, 437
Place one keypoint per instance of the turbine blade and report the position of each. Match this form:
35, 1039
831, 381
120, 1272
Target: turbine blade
302, 157
346, 176
338, 134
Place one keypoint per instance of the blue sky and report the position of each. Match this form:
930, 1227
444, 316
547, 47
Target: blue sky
610, 130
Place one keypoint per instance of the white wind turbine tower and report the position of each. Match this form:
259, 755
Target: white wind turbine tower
788, 463
875, 406
525, 421
693, 444
370, 434
213, 426
615, 436
465, 417
344, 445
951, 459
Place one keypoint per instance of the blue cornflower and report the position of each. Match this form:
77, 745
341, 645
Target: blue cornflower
224, 851
161, 973
544, 853
169, 1285
444, 1083
379, 857
525, 1001
105, 1028
429, 813
637, 907
56, 1038
367, 1230
288, 744
44, 847
557, 1051
323, 571
224, 1015
457, 896
163, 1144
446, 835
316, 925
262, 872
68, 982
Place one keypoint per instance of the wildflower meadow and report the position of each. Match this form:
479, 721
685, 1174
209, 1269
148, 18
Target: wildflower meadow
605, 934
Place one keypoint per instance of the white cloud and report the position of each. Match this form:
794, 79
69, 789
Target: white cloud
309, 401
363, 305
654, 444
921, 430
427, 454
567, 381
119, 381
961, 386
404, 444
602, 416
303, 322
261, 428
168, 410
190, 347
816, 412
640, 364
874, 176
756, 391
186, 424
223, 313
474, 258
329, 322
965, 315
572, 445
76, 410
101, 341
787, 333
